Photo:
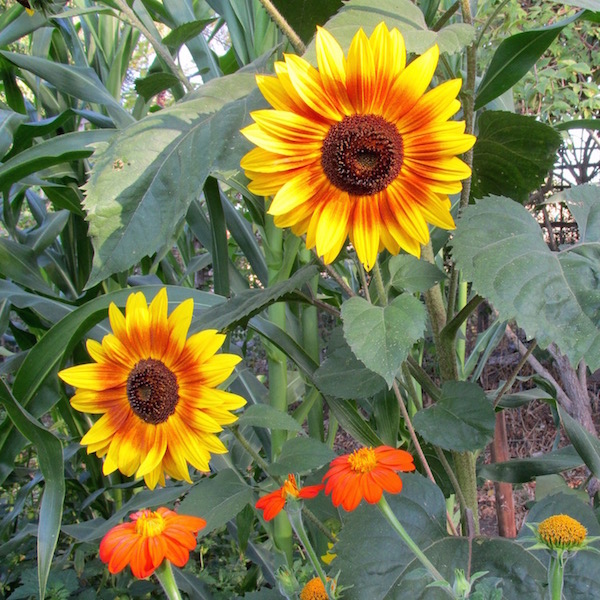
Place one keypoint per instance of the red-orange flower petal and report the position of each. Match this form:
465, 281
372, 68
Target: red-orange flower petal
272, 504
365, 474
150, 538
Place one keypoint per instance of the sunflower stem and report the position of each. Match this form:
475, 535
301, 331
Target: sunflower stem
556, 575
294, 513
381, 294
284, 26
164, 574
310, 341
387, 512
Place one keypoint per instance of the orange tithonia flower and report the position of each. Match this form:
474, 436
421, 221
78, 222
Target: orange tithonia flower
366, 473
156, 392
357, 148
151, 537
561, 532
314, 590
273, 503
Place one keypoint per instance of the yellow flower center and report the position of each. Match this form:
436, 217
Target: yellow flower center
290, 488
149, 524
362, 154
314, 590
562, 531
363, 460
152, 391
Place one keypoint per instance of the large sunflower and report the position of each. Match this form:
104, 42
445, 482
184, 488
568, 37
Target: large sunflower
357, 148
156, 391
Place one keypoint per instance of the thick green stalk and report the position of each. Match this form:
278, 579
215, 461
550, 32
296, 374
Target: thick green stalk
277, 364
164, 574
556, 575
464, 462
310, 342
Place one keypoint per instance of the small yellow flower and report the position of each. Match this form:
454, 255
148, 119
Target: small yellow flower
561, 532
314, 590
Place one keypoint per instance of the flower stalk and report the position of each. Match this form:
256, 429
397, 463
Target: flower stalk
387, 512
556, 570
164, 574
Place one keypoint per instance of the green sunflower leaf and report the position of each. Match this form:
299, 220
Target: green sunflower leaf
145, 179
304, 15
463, 419
409, 274
263, 415
381, 338
512, 156
217, 499
405, 16
553, 296
301, 455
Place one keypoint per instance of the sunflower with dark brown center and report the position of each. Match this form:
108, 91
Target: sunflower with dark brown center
156, 391
358, 147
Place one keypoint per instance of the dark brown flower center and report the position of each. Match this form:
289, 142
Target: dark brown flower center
152, 391
362, 154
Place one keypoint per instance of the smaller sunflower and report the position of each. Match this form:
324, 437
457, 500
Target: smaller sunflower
561, 532
156, 392
150, 538
272, 504
315, 590
366, 474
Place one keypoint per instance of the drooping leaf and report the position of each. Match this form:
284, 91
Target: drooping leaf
19, 263
143, 183
80, 82
521, 470
514, 57
57, 150
9, 123
381, 338
553, 296
251, 302
217, 499
409, 274
155, 83
463, 419
300, 455
49, 455
513, 155
586, 444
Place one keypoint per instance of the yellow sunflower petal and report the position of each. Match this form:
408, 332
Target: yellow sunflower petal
411, 84
437, 105
296, 191
156, 445
94, 402
203, 345
94, 376
365, 231
117, 322
307, 82
290, 126
137, 320
332, 67
159, 329
361, 79
270, 162
275, 94
333, 225
179, 322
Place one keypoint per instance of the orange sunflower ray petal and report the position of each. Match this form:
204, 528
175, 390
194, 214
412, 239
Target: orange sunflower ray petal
364, 127
141, 431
